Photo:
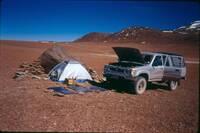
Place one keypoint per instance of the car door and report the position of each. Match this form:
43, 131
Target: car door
183, 69
157, 69
168, 69
173, 68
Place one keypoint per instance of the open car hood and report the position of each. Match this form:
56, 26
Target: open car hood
128, 54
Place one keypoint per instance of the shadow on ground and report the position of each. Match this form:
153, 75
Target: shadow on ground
124, 87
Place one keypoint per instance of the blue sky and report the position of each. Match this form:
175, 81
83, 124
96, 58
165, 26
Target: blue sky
63, 20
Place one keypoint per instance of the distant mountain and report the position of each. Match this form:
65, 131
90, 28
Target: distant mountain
136, 34
93, 37
144, 35
193, 28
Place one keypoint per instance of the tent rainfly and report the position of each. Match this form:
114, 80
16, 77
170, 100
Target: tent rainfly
69, 70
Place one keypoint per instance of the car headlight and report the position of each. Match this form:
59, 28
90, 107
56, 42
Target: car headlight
133, 72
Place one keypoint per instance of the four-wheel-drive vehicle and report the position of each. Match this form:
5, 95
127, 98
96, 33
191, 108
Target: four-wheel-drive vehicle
142, 68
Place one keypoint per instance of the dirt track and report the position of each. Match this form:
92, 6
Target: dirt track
26, 105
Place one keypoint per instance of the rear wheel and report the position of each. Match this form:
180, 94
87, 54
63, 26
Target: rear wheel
140, 85
172, 85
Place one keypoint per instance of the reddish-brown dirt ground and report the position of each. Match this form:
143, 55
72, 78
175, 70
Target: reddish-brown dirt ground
26, 105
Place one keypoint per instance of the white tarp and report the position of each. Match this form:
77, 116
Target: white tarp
69, 70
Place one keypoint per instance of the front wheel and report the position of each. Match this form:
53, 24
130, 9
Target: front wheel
172, 85
140, 85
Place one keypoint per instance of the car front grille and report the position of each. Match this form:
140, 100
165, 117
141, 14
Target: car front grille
116, 70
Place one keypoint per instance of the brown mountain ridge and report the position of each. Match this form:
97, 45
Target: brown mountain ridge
141, 34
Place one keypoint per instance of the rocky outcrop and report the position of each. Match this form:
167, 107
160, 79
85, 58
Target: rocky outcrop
53, 56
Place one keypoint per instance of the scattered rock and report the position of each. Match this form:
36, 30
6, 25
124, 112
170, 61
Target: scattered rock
35, 77
37, 87
94, 75
20, 75
38, 69
144, 42
58, 94
33, 70
45, 78
47, 91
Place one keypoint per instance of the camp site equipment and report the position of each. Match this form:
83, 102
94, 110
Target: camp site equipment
70, 69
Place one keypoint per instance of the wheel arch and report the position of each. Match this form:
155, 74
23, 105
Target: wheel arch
145, 75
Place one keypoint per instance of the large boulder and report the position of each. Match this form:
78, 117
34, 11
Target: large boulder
53, 56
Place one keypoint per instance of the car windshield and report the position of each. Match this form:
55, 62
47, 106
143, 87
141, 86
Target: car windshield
147, 58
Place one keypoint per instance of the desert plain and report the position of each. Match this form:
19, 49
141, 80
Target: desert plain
26, 105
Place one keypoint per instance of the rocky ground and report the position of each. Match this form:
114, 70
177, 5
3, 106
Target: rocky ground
27, 105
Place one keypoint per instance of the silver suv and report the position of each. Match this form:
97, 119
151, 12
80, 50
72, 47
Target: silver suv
141, 68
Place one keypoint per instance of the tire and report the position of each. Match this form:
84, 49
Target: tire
109, 80
140, 85
172, 85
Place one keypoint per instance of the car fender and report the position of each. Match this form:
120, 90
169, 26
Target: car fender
143, 72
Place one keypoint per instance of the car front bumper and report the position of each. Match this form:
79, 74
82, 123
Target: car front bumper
118, 77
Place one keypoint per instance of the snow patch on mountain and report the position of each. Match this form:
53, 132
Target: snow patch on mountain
195, 25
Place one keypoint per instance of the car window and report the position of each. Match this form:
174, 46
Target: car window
167, 62
183, 62
177, 61
164, 58
157, 61
147, 58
